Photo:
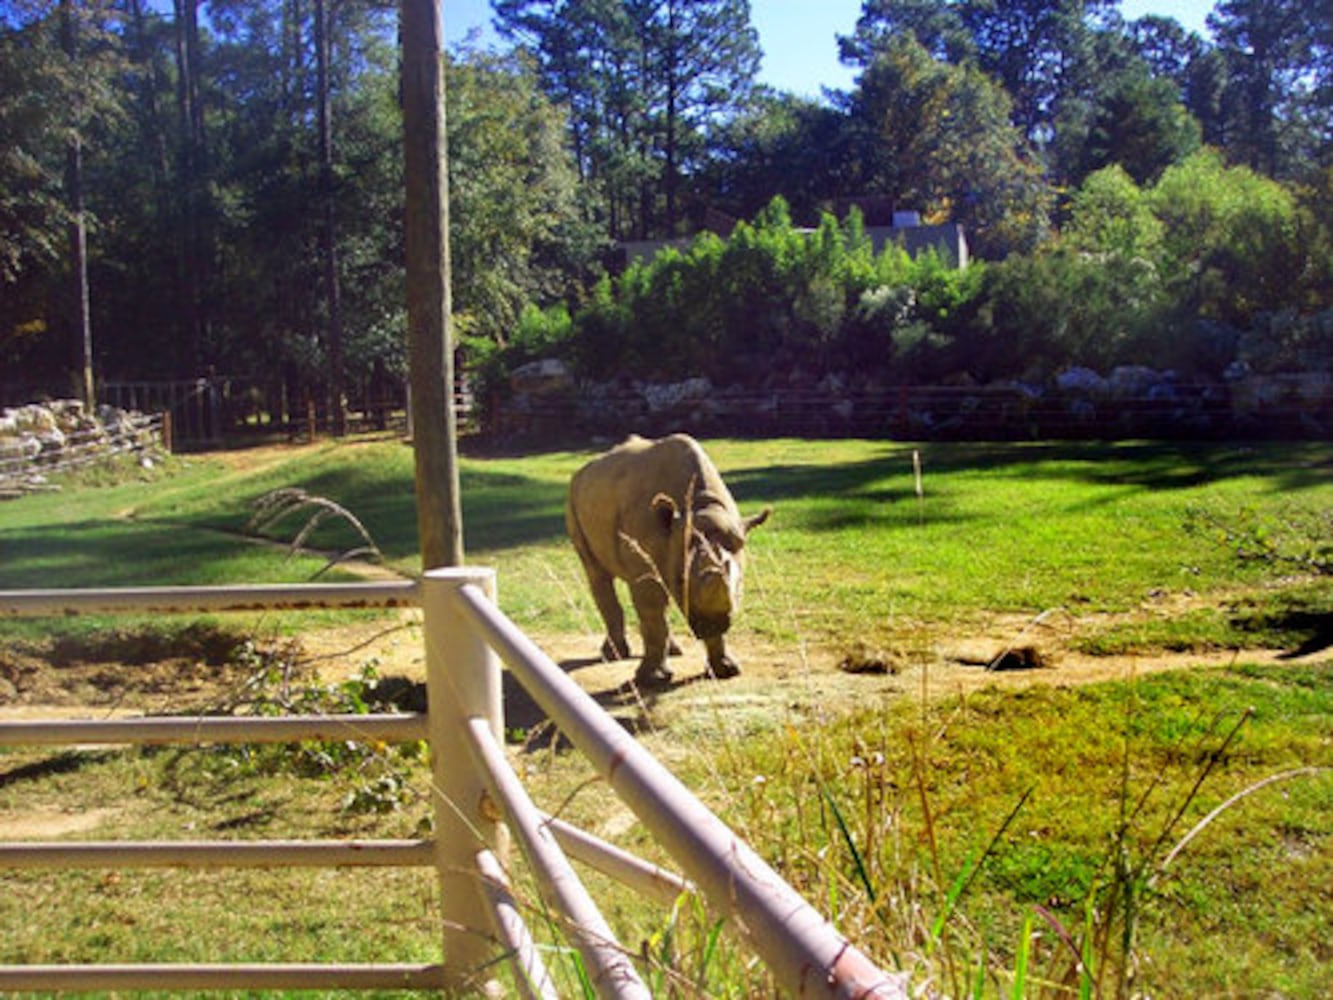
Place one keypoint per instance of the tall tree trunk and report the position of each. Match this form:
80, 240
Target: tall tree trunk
671, 70
328, 230
192, 165
78, 230
153, 82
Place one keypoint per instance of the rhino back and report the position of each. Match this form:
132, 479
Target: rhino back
611, 497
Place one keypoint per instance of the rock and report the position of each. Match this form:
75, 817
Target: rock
61, 434
540, 378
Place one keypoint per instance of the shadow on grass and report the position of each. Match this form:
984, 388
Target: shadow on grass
505, 510
1320, 628
67, 762
500, 510
872, 488
97, 554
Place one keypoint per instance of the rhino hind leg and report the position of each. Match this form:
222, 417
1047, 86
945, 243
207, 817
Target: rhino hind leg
603, 585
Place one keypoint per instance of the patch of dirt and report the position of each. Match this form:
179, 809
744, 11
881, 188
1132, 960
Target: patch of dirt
49, 823
107, 679
1007, 651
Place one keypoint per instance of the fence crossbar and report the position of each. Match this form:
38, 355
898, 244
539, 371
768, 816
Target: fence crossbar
222, 598
612, 973
531, 978
218, 854
805, 954
642, 876
388, 727
804, 951
287, 976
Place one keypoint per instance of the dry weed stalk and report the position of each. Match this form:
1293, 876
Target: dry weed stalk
277, 504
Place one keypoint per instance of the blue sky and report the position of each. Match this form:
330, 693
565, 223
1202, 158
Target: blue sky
799, 36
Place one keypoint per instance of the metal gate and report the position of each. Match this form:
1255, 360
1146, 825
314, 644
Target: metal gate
477, 809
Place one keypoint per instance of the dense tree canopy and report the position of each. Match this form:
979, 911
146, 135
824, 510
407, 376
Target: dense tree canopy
939, 137
644, 82
220, 182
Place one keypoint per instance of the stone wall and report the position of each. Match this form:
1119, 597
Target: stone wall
40, 439
545, 400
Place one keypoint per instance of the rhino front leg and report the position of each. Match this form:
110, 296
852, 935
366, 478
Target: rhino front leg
615, 646
720, 665
650, 603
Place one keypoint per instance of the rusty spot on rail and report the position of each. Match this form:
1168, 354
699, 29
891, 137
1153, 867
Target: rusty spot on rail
855, 972
617, 759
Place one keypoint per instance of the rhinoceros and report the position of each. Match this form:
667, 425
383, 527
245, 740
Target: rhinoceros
656, 514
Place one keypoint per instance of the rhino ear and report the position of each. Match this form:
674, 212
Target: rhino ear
666, 510
752, 522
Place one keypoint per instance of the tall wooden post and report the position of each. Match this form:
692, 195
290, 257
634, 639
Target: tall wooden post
430, 340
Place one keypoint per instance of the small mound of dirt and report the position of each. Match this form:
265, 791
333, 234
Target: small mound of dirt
142, 670
861, 659
203, 642
1022, 658
1010, 658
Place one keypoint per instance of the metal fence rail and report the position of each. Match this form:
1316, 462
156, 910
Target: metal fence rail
466, 637
293, 976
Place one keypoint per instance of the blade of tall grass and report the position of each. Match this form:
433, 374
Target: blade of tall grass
1211, 761
1200, 826
1020, 984
1081, 963
862, 875
968, 873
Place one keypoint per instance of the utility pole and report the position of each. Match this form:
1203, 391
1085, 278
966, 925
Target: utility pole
430, 338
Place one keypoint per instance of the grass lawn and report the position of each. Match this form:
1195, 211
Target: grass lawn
987, 840
852, 551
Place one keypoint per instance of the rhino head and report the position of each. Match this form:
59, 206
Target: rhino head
706, 558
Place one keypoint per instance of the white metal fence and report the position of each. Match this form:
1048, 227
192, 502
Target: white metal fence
477, 810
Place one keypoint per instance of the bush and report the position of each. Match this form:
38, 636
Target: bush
1174, 276
772, 298
538, 333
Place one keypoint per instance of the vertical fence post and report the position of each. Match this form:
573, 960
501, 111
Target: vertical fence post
462, 682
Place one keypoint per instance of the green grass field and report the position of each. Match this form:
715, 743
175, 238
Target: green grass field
852, 549
999, 840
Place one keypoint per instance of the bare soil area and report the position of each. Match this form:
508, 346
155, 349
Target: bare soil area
1009, 651
124, 677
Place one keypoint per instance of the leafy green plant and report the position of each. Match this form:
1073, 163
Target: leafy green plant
821, 299
1288, 539
276, 684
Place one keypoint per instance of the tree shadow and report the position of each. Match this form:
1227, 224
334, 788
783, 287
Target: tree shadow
1321, 633
1146, 464
500, 509
66, 762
